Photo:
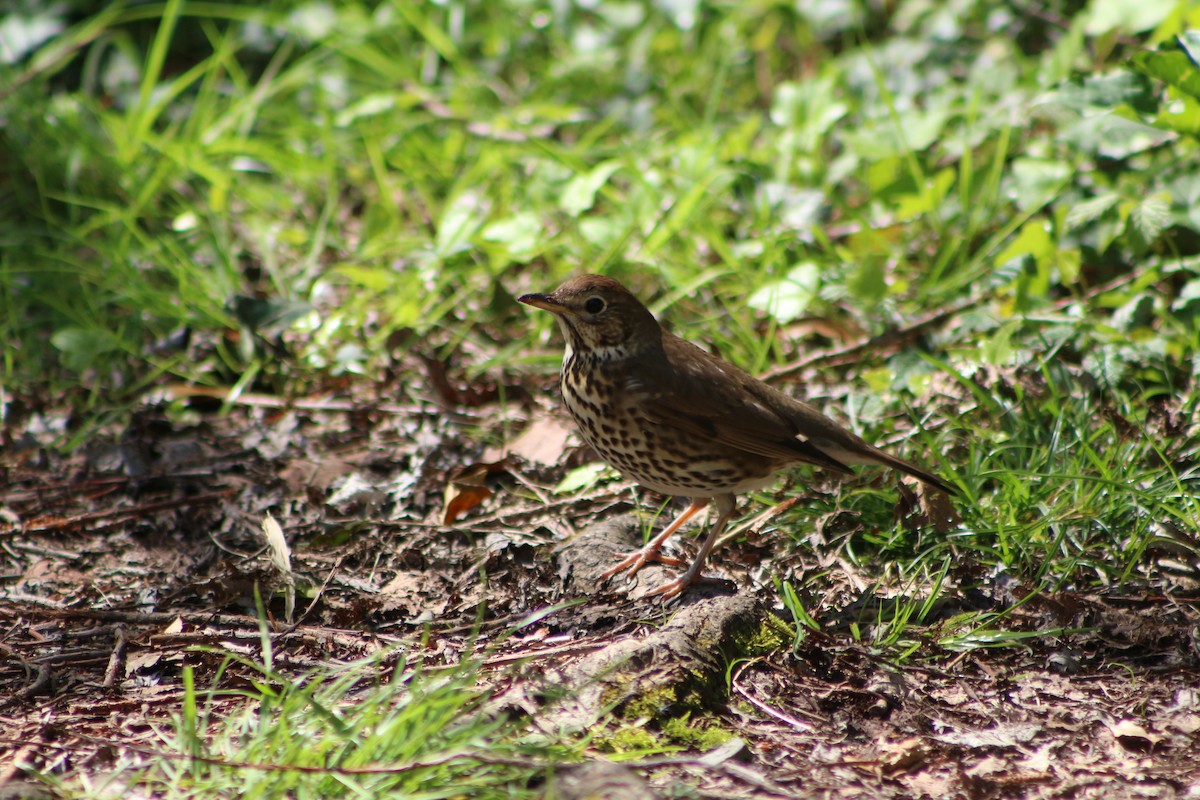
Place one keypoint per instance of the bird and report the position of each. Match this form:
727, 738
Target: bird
683, 422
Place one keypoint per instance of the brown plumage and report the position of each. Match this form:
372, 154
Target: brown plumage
681, 421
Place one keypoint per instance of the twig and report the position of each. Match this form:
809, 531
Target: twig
788, 719
158, 618
116, 662
113, 516
893, 338
40, 685
885, 340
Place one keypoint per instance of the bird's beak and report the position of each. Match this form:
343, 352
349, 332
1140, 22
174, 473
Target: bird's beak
543, 301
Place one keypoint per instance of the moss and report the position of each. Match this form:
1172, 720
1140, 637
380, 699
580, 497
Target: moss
704, 734
652, 704
669, 701
629, 738
672, 735
771, 634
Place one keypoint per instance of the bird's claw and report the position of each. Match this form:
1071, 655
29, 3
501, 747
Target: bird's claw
634, 562
677, 586
671, 588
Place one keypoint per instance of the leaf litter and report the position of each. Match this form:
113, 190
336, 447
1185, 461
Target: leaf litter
123, 556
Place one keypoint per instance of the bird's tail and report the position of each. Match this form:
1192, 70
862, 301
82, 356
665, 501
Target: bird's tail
925, 476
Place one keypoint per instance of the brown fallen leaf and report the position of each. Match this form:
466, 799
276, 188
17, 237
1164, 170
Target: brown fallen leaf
1134, 737
302, 473
905, 755
468, 488
542, 442
840, 331
918, 506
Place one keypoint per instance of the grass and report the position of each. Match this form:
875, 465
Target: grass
377, 727
276, 197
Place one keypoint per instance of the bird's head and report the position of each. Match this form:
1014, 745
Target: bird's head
599, 315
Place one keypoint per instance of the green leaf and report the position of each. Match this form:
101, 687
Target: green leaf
1033, 240
1069, 263
459, 222
520, 234
378, 279
1183, 117
601, 231
1151, 216
867, 283
371, 105
1126, 16
917, 131
998, 349
263, 313
1081, 214
584, 477
1115, 136
81, 347
1108, 91
878, 379
1190, 42
1189, 295
580, 193
797, 209
1107, 364
1038, 180
1174, 68
809, 109
787, 299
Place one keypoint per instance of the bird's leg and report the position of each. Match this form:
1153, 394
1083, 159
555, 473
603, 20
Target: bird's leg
726, 503
652, 552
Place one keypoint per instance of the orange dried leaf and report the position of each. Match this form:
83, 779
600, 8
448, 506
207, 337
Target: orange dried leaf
468, 488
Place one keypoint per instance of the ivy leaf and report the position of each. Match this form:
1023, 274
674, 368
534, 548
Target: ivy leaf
1151, 216
1081, 214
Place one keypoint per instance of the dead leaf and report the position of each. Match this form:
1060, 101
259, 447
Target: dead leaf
1186, 723
281, 560
903, 756
1002, 735
457, 393
987, 767
302, 473
1134, 737
145, 660
414, 592
924, 505
468, 488
543, 442
281, 554
840, 331
357, 496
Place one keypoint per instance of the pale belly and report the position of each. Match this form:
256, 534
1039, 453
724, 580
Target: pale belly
663, 458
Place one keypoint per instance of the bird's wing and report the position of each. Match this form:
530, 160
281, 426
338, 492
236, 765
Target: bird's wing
709, 398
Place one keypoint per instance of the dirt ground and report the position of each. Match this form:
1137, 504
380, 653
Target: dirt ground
117, 560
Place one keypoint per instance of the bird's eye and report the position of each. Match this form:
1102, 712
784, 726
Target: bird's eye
594, 305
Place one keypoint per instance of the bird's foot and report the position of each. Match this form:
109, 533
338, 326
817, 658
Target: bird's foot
676, 587
671, 588
634, 562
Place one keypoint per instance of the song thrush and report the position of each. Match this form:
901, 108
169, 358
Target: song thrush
683, 422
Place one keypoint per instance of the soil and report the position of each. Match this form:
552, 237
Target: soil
122, 556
